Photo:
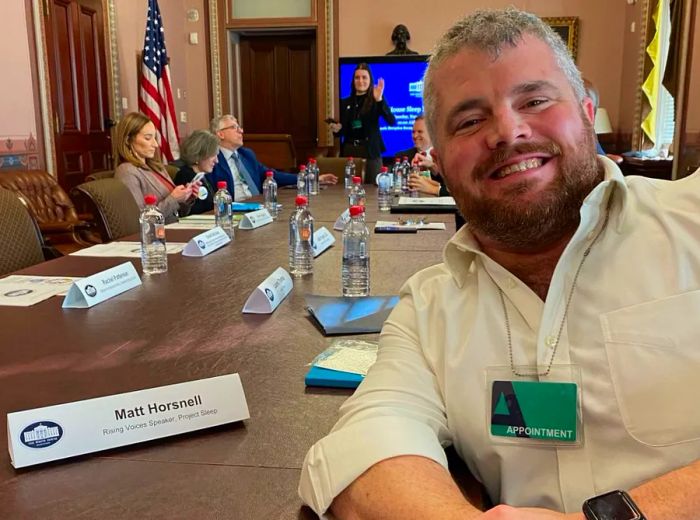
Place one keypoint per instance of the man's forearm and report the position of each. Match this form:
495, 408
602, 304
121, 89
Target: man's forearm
673, 496
406, 487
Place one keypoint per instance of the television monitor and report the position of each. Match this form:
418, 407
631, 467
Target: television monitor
403, 90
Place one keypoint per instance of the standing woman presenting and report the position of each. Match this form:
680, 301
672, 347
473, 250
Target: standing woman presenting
359, 121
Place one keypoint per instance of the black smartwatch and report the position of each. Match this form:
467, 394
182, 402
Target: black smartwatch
616, 505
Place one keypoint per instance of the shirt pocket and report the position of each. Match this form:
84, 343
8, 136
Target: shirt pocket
654, 359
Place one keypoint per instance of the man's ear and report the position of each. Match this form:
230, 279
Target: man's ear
589, 108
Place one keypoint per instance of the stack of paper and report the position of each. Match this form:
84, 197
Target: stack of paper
22, 291
343, 365
125, 249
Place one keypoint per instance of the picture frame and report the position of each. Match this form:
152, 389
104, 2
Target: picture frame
567, 28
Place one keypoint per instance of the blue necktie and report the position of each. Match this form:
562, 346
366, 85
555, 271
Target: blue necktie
246, 175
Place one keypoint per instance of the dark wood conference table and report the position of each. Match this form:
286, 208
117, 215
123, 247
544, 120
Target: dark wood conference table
180, 326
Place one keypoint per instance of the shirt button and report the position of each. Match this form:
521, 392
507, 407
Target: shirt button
550, 341
511, 283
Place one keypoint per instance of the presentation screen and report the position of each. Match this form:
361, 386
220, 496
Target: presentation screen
403, 90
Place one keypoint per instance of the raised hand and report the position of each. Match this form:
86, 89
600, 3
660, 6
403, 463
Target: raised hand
378, 90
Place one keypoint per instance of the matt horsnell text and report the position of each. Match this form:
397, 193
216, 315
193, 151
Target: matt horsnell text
138, 411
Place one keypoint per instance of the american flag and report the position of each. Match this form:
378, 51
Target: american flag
156, 95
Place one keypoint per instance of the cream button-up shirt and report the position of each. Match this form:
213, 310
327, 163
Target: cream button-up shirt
631, 332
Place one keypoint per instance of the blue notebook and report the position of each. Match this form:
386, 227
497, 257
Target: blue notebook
317, 376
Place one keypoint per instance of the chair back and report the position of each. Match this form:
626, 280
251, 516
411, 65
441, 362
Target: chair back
113, 206
273, 150
336, 166
47, 201
102, 174
20, 239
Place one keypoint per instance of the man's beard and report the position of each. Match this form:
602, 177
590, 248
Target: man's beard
541, 222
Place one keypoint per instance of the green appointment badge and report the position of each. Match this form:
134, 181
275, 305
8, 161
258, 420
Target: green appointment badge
534, 410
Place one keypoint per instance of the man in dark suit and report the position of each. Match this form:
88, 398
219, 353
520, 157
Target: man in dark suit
421, 139
240, 168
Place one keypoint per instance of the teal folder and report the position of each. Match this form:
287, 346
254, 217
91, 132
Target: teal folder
246, 206
317, 376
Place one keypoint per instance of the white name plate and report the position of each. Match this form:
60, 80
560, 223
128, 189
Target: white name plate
66, 430
255, 219
101, 286
323, 239
206, 242
269, 294
343, 219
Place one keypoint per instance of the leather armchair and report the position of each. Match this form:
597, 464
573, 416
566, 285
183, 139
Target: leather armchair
50, 206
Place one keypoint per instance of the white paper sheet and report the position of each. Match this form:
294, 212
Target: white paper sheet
125, 249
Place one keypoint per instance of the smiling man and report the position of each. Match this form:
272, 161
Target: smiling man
551, 347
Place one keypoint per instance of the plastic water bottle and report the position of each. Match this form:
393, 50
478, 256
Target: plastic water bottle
384, 188
301, 181
270, 194
154, 258
396, 172
405, 172
349, 174
355, 270
223, 216
301, 233
357, 193
312, 173
413, 192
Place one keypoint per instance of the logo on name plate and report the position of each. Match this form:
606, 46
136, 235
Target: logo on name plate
270, 295
90, 290
41, 434
18, 292
201, 244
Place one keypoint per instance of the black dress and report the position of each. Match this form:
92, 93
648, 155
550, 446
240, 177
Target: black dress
185, 175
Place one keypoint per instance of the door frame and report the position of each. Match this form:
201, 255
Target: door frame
48, 119
225, 57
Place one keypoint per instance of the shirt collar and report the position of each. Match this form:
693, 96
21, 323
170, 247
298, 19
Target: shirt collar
462, 249
228, 153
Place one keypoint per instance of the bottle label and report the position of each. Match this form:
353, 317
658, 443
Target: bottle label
160, 231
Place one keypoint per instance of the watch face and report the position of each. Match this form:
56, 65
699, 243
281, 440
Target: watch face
611, 506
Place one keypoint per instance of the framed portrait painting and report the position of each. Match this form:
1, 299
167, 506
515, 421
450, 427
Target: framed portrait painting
567, 28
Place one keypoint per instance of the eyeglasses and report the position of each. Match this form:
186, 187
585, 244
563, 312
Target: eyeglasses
234, 126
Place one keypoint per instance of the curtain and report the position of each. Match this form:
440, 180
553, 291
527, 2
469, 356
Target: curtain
652, 83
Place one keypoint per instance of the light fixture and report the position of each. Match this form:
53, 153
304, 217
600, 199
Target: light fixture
602, 122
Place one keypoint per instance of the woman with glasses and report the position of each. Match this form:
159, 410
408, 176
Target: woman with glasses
142, 172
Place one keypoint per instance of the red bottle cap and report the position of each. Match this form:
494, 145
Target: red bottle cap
312, 160
383, 169
350, 158
301, 200
269, 173
221, 185
405, 157
356, 210
356, 180
302, 168
397, 160
150, 199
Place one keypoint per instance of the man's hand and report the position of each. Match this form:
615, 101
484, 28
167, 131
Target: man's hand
335, 127
423, 184
327, 178
378, 90
424, 160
